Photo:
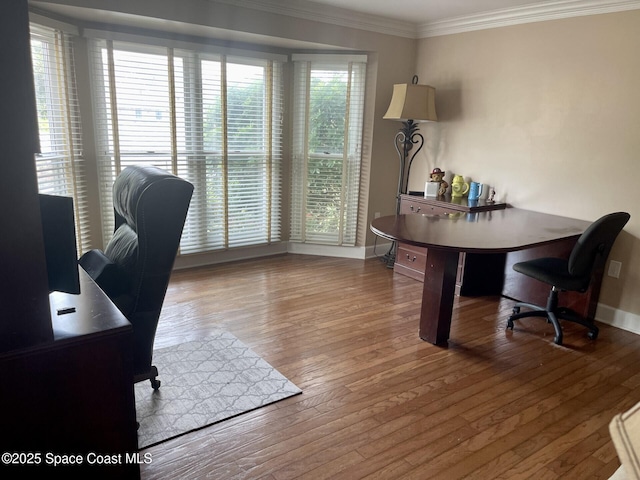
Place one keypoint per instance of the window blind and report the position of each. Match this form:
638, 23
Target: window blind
59, 164
327, 149
211, 119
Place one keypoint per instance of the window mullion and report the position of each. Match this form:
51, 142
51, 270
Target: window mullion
114, 107
269, 145
172, 110
196, 158
345, 155
305, 170
63, 88
225, 148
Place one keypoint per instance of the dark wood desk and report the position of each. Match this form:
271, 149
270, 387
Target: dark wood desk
73, 396
446, 236
477, 274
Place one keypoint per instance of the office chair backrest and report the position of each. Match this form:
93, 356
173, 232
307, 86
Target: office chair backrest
594, 244
150, 207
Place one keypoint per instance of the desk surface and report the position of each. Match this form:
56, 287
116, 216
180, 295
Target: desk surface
94, 313
495, 231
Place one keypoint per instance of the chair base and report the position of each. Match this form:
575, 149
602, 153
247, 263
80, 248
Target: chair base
150, 375
553, 314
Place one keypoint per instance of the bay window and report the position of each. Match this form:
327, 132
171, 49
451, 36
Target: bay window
214, 118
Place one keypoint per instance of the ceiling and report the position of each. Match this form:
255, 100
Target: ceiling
425, 18
408, 18
427, 11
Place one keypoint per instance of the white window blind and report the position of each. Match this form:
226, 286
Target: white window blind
327, 149
211, 119
59, 165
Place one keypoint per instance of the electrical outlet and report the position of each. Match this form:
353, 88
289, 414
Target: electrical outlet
614, 269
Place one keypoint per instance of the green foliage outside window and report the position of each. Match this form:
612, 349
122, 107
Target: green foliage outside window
327, 122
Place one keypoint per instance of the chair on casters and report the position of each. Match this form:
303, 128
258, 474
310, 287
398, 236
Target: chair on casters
150, 208
589, 253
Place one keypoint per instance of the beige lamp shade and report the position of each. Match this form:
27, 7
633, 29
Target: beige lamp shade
412, 102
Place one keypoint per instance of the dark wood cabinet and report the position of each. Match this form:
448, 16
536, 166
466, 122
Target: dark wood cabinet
478, 274
73, 397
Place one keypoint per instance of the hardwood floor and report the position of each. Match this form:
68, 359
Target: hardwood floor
379, 403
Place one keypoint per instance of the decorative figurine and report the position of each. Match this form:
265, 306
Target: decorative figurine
437, 175
459, 187
492, 194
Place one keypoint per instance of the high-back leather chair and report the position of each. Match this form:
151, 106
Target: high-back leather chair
150, 208
573, 274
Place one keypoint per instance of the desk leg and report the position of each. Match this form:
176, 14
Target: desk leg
437, 295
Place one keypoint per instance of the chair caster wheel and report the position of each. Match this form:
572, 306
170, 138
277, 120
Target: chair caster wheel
509, 324
593, 334
155, 384
557, 340
516, 310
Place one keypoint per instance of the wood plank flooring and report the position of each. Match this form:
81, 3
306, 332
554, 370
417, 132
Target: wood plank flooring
378, 402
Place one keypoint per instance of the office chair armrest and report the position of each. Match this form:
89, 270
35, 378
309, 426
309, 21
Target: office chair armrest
103, 271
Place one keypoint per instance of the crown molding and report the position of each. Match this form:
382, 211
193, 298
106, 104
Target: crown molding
538, 12
552, 10
343, 17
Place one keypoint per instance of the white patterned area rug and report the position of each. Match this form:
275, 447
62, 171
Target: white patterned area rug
204, 382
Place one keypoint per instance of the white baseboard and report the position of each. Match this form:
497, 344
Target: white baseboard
326, 250
618, 318
224, 256
377, 250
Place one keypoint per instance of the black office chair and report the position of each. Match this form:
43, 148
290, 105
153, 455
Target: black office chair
589, 253
150, 208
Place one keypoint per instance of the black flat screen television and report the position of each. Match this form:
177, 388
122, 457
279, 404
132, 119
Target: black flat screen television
59, 235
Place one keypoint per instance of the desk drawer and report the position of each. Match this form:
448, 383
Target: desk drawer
478, 274
407, 207
411, 261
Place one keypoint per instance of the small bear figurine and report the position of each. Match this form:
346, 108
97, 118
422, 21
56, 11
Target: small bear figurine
437, 175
